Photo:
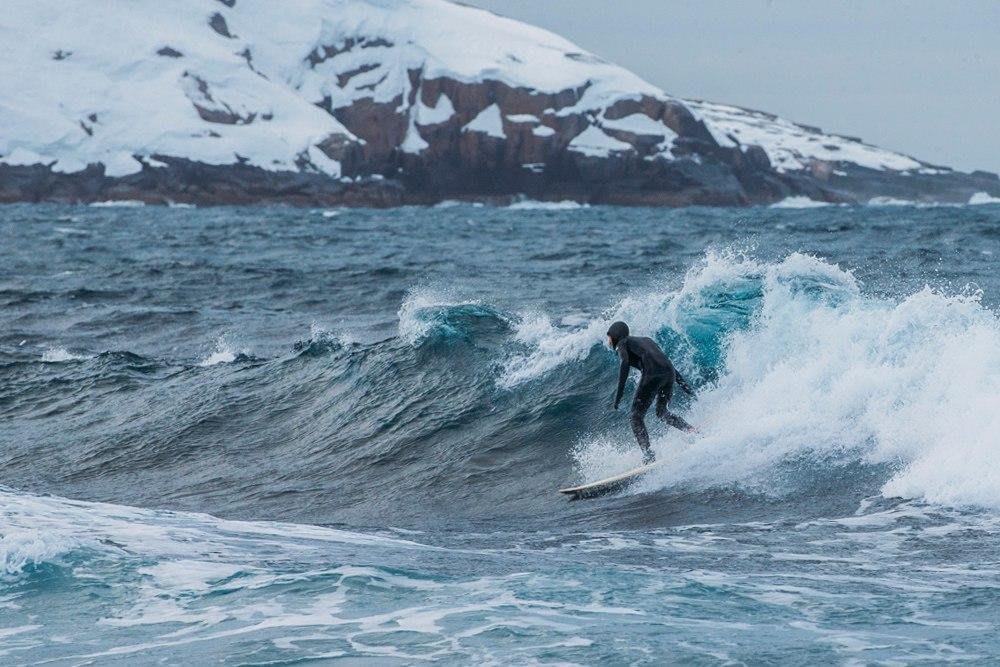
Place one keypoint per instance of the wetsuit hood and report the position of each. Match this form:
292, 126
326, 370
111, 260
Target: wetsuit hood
617, 331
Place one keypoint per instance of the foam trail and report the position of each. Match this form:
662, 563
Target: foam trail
46, 528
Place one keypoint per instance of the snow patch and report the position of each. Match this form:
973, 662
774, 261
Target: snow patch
68, 165
488, 122
639, 123
593, 142
264, 96
983, 198
22, 157
439, 113
323, 163
413, 143
789, 146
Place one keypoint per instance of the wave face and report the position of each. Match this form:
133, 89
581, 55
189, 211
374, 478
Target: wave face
382, 405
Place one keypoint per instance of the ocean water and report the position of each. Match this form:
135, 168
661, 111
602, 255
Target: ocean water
260, 436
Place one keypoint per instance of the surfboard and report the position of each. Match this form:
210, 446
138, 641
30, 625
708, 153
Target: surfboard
603, 487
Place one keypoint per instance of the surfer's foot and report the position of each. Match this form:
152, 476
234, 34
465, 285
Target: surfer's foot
648, 457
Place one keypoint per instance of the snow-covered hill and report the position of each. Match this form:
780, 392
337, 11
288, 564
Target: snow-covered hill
414, 100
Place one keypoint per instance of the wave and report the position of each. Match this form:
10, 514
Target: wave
55, 355
225, 352
819, 373
426, 312
717, 296
805, 381
321, 341
23, 549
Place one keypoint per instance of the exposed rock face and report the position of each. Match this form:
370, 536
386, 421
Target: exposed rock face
384, 103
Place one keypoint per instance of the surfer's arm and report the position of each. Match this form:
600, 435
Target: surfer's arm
683, 383
622, 375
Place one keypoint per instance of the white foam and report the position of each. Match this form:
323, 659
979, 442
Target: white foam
189, 575
890, 201
59, 354
225, 352
22, 546
72, 231
46, 525
799, 202
448, 203
532, 205
118, 203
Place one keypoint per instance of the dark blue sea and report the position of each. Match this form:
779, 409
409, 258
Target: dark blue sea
276, 436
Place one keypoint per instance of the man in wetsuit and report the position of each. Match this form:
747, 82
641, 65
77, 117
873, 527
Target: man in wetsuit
658, 376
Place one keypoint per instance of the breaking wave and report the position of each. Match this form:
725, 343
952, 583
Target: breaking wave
806, 384
801, 365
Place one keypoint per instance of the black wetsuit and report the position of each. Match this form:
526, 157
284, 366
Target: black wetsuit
658, 376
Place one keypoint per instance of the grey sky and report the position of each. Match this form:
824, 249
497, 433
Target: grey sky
919, 77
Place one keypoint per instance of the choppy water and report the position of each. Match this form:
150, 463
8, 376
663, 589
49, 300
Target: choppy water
270, 436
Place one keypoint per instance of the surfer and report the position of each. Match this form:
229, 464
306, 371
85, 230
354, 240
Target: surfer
657, 380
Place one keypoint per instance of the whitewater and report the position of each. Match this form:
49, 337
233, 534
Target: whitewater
274, 435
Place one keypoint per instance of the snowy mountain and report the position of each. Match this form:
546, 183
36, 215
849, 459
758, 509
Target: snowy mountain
384, 102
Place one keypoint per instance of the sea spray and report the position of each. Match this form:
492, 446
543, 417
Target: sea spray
824, 372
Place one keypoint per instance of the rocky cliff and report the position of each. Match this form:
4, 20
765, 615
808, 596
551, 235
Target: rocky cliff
384, 102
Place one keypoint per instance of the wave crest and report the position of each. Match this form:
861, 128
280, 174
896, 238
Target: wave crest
428, 313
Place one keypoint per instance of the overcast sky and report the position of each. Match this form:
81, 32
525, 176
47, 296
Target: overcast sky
916, 76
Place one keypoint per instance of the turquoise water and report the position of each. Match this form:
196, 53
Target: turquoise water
273, 436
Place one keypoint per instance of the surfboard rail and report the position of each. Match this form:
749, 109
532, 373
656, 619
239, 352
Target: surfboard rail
609, 485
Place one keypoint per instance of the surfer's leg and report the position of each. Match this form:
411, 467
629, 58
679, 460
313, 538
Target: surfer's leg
662, 399
663, 394
677, 422
640, 405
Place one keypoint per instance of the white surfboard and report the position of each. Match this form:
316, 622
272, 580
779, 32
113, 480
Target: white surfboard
608, 485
